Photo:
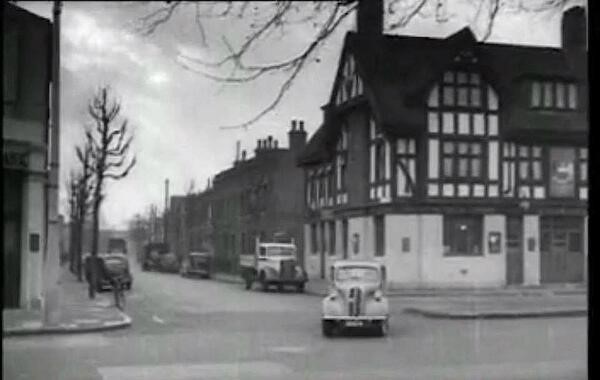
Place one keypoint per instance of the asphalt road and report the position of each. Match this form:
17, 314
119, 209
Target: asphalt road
202, 329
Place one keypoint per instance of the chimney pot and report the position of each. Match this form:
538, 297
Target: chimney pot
270, 139
301, 125
294, 124
244, 155
275, 144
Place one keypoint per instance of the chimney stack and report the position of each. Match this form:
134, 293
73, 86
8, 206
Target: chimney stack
244, 155
275, 143
270, 141
297, 137
369, 18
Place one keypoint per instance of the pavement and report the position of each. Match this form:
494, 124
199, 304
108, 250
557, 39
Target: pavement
77, 313
476, 303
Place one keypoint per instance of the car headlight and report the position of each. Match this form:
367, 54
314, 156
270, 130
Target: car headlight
378, 295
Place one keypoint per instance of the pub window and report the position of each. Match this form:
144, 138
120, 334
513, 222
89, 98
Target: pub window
583, 165
462, 160
341, 159
554, 95
462, 235
530, 164
332, 238
379, 236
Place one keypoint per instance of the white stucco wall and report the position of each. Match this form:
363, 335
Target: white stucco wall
488, 270
32, 271
364, 227
531, 258
311, 261
402, 267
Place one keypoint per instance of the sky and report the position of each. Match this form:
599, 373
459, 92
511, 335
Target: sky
176, 114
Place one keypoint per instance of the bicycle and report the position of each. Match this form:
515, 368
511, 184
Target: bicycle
119, 292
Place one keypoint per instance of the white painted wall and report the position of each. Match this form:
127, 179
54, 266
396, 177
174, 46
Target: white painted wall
585, 249
364, 227
531, 259
488, 270
32, 272
402, 267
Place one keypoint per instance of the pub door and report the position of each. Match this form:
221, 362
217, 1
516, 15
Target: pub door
562, 258
13, 189
514, 250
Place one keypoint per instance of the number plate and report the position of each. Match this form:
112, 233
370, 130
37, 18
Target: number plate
354, 323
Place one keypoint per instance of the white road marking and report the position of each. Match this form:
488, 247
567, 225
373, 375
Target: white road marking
158, 320
289, 349
189, 371
59, 341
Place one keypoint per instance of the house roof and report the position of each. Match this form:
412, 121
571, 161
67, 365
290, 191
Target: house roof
398, 71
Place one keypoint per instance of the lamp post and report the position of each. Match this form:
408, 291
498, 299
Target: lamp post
51, 262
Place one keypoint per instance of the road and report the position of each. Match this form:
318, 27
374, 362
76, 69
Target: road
202, 329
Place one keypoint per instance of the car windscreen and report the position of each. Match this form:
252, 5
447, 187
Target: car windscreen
115, 263
357, 273
280, 251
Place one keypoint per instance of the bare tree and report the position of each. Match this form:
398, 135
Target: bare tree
84, 192
110, 141
323, 17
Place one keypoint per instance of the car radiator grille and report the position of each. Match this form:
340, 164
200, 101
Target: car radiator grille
354, 301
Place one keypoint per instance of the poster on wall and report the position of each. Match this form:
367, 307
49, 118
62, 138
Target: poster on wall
562, 172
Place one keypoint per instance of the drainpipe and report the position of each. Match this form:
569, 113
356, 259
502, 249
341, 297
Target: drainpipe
51, 262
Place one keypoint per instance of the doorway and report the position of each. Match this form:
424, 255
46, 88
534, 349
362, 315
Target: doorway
514, 250
561, 246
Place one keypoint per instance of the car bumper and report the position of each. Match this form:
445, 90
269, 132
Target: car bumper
358, 321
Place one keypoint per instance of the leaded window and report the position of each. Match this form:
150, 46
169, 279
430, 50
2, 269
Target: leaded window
558, 95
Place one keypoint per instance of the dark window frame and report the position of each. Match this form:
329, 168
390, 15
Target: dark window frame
332, 236
379, 226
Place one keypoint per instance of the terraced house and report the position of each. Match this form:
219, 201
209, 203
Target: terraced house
453, 161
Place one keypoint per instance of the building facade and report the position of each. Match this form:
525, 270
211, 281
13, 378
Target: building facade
25, 141
258, 197
454, 162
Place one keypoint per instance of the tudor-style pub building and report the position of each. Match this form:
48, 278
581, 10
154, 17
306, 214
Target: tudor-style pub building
455, 162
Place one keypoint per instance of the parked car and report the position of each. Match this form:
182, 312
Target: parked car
157, 256
356, 298
197, 264
109, 265
273, 263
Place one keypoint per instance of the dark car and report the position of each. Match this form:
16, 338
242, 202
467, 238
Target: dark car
110, 266
197, 264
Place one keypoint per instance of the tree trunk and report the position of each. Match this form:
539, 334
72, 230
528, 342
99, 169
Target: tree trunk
79, 250
95, 232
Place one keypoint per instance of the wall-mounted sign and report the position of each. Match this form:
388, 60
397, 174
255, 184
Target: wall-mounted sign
405, 244
15, 160
562, 172
355, 243
531, 244
494, 242
34, 243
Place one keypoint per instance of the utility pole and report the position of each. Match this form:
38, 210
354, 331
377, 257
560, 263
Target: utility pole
51, 262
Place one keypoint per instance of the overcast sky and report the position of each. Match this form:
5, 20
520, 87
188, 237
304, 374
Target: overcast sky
177, 113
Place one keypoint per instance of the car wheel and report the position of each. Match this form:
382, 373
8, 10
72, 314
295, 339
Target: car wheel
263, 282
383, 328
300, 288
248, 281
328, 327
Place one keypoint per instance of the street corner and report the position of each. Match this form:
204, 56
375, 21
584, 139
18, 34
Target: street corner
118, 320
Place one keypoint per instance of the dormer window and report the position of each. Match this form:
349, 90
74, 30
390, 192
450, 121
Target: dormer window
557, 95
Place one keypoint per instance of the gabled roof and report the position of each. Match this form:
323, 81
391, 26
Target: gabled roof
398, 71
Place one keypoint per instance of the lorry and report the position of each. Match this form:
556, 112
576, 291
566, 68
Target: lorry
273, 263
157, 256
